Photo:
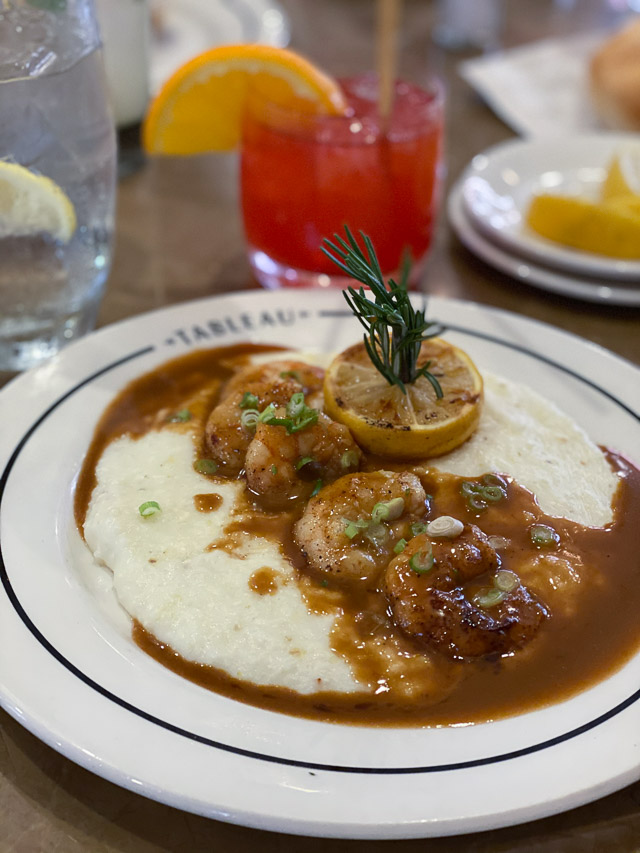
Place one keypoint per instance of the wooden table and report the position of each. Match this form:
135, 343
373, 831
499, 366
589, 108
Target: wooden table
179, 237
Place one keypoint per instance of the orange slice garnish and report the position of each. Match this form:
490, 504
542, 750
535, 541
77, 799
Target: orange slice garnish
199, 109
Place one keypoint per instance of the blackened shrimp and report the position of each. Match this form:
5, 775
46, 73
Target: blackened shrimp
428, 594
351, 527
280, 465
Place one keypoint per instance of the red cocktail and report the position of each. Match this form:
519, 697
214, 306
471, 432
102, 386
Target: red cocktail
305, 177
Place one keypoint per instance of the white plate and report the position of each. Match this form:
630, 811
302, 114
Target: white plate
588, 289
499, 184
189, 27
70, 673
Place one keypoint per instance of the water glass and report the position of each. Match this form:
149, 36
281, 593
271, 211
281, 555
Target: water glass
55, 123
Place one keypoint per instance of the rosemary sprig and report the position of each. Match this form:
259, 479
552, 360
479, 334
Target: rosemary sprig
394, 329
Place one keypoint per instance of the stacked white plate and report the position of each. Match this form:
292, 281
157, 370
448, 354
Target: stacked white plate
487, 209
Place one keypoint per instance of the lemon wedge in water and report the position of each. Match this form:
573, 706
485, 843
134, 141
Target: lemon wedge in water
33, 204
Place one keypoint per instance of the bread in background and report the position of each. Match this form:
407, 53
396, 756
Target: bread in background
614, 77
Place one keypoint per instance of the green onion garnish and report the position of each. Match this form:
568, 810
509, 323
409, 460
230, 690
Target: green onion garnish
267, 413
180, 417
274, 469
149, 508
543, 536
422, 561
205, 466
250, 418
291, 374
388, 510
488, 597
316, 488
349, 459
304, 461
505, 581
299, 415
376, 532
249, 401
400, 545
479, 495
418, 527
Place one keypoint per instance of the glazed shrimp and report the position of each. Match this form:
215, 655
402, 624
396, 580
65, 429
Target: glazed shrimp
226, 436
308, 377
345, 530
425, 588
278, 463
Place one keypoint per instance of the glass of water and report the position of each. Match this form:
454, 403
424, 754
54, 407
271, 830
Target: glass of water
57, 177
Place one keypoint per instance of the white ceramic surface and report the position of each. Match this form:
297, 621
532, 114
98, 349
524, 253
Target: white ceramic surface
499, 183
70, 673
589, 289
185, 28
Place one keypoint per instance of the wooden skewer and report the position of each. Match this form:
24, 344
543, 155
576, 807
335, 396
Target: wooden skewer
388, 25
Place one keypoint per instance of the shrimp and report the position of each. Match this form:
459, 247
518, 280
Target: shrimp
278, 463
226, 437
309, 378
425, 588
345, 530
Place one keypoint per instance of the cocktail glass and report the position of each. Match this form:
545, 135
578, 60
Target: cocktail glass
303, 177
55, 122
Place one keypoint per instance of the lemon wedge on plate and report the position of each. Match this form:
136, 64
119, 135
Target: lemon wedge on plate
609, 228
417, 424
33, 204
623, 176
199, 109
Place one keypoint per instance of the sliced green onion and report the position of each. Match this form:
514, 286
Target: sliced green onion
400, 545
388, 510
476, 502
505, 580
304, 461
149, 508
494, 480
349, 459
469, 488
488, 597
543, 536
274, 469
295, 405
267, 413
445, 526
376, 532
493, 494
316, 488
418, 527
422, 561
249, 401
324, 582
180, 417
498, 542
205, 466
352, 528
250, 418
291, 374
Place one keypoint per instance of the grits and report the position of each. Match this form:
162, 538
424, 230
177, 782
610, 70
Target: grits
200, 602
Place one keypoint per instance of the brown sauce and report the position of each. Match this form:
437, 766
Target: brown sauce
593, 628
264, 581
207, 502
